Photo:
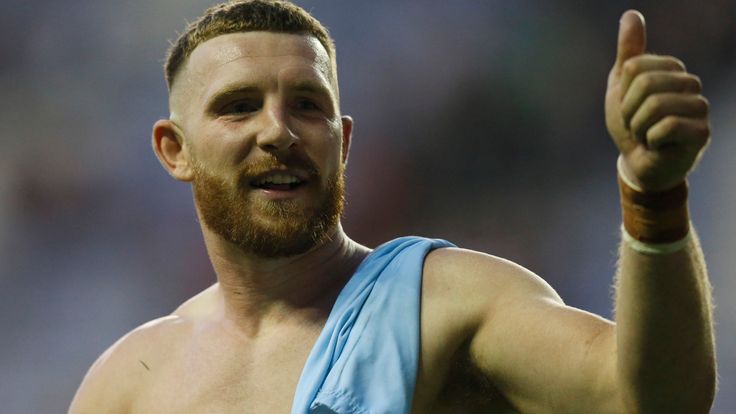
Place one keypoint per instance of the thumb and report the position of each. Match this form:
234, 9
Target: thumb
632, 38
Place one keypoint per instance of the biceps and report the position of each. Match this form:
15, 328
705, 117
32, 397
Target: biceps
547, 357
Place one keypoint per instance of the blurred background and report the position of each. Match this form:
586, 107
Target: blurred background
480, 122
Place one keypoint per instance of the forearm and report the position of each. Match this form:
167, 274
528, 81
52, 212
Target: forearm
666, 360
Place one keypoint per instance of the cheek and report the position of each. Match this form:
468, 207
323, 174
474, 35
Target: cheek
219, 147
331, 148
336, 138
326, 156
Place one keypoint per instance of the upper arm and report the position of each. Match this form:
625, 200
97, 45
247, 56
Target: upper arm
542, 355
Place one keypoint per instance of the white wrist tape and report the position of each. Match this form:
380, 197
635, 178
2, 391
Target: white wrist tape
651, 248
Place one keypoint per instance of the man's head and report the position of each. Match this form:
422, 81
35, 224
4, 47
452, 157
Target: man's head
255, 126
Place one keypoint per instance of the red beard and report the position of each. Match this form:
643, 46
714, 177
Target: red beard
268, 228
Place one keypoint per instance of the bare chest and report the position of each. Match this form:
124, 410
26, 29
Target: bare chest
232, 383
221, 376
213, 373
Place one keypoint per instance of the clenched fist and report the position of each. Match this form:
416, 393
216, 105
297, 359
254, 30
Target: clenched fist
654, 111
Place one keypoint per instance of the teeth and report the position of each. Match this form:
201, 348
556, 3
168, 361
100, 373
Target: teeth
277, 179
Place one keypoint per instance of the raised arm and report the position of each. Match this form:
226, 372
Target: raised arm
658, 357
659, 121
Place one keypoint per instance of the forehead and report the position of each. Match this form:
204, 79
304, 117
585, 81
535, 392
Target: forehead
238, 55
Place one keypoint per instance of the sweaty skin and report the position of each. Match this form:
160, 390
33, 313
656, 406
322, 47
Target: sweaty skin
495, 337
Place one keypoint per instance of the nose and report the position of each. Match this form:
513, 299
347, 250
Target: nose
275, 134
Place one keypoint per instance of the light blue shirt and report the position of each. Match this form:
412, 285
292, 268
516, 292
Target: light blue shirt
365, 359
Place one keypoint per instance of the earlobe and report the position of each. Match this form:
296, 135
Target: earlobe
347, 134
170, 149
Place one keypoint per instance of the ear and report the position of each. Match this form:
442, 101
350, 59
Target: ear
171, 150
347, 134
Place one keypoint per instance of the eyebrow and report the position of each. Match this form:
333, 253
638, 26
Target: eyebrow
226, 93
308, 85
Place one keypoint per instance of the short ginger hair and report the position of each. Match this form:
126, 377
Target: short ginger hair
246, 16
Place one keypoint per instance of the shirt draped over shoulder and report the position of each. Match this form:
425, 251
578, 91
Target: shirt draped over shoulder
365, 359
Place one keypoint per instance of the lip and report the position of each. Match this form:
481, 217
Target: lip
276, 194
272, 194
302, 175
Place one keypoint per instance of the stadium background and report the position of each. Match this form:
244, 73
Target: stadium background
476, 121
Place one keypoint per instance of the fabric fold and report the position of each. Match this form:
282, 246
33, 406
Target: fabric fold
365, 359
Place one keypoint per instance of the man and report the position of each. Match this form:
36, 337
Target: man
303, 318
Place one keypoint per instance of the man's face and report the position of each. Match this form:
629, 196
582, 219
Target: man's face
265, 140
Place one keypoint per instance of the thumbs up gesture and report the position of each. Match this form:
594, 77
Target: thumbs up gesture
654, 111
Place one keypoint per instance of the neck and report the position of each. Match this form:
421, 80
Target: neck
257, 291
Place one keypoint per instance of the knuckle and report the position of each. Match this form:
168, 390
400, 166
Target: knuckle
695, 84
635, 125
670, 124
703, 103
637, 122
626, 113
631, 67
655, 103
676, 63
645, 81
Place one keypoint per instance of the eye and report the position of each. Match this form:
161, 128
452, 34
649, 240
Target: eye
304, 104
241, 107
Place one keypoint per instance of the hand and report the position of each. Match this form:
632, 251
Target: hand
654, 111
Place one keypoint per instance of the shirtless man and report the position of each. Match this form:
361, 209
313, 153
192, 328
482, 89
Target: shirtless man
256, 127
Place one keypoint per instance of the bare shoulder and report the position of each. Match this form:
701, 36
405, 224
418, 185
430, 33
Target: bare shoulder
113, 381
481, 279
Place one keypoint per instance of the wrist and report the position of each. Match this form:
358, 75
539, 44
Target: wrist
654, 218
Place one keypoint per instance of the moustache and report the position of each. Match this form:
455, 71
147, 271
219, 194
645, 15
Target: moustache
293, 162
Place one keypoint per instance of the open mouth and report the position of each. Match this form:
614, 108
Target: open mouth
278, 182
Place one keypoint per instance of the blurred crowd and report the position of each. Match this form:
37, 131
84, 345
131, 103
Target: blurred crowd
480, 122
